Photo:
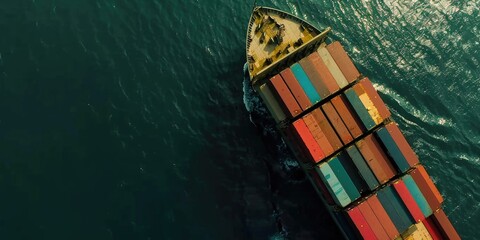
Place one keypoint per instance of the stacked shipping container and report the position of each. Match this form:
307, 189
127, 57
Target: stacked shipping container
341, 131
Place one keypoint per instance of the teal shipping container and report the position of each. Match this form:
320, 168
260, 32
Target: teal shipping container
400, 207
353, 172
417, 195
344, 178
305, 82
334, 186
393, 150
360, 109
386, 200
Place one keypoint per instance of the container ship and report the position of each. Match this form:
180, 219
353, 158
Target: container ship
341, 132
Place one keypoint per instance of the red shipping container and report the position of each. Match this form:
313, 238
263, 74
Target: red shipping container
337, 123
314, 77
315, 154
318, 134
361, 224
296, 89
343, 61
382, 215
445, 226
376, 99
432, 229
348, 116
327, 129
381, 156
428, 188
284, 96
372, 220
408, 200
325, 76
372, 161
402, 144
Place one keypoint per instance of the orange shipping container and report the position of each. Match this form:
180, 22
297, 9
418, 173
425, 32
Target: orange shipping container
427, 187
445, 226
296, 89
318, 134
327, 129
325, 75
284, 96
343, 61
314, 76
354, 126
372, 161
337, 123
381, 214
381, 156
372, 220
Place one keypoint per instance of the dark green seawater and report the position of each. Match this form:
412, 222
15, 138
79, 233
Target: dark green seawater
128, 120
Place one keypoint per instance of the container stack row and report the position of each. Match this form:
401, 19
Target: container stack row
356, 156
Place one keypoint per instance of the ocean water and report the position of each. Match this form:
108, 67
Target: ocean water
131, 119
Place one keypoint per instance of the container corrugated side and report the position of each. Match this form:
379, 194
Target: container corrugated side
376, 99
445, 226
353, 172
393, 150
381, 156
361, 223
390, 206
318, 134
332, 67
296, 89
372, 161
363, 169
428, 188
305, 82
372, 220
368, 103
348, 115
307, 142
408, 200
337, 123
382, 215
343, 61
399, 206
359, 109
314, 76
327, 129
284, 96
321, 186
402, 143
417, 195
344, 178
337, 191
325, 75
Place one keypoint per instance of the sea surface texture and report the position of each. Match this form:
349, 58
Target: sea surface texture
129, 119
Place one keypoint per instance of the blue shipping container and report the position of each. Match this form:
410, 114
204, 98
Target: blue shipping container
417, 195
305, 82
393, 150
